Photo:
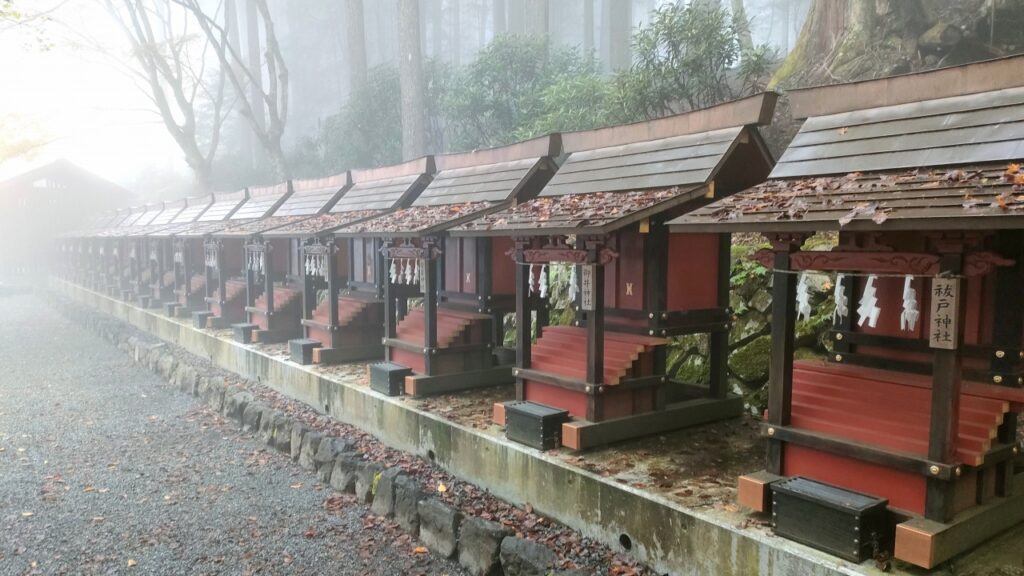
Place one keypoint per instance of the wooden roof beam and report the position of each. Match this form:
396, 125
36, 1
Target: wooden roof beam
986, 76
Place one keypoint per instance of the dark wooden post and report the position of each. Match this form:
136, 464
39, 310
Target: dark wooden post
186, 264
390, 308
431, 269
268, 282
210, 286
524, 320
308, 293
1007, 334
656, 297
250, 278
718, 357
595, 341
332, 288
222, 276
945, 407
780, 363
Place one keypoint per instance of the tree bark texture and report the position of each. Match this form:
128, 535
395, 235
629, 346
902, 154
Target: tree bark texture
410, 73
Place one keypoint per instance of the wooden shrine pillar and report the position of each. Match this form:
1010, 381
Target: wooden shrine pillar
332, 287
484, 267
308, 289
656, 295
268, 281
390, 300
211, 257
431, 269
945, 401
593, 308
186, 265
524, 321
248, 256
780, 362
222, 275
1007, 338
718, 354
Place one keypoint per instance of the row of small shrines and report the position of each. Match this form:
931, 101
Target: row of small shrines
904, 439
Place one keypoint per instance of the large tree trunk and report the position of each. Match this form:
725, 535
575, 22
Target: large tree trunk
739, 16
620, 32
500, 17
588, 28
844, 40
355, 43
455, 45
410, 74
255, 61
536, 17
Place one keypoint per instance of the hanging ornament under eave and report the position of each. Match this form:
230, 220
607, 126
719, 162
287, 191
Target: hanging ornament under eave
529, 280
803, 298
911, 313
839, 297
868, 309
573, 288
408, 272
393, 272
543, 282
416, 272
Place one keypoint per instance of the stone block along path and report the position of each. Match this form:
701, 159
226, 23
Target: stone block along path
105, 469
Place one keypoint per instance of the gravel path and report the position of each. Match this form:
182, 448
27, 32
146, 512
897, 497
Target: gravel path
105, 470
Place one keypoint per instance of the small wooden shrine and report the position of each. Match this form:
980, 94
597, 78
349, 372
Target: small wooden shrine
80, 250
916, 405
273, 266
160, 250
189, 247
144, 254
452, 340
633, 284
341, 280
120, 240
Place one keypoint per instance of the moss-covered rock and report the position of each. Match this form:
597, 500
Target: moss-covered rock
750, 363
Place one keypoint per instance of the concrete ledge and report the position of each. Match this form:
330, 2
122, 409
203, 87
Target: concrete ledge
663, 534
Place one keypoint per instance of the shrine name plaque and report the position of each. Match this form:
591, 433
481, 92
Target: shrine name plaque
587, 287
943, 328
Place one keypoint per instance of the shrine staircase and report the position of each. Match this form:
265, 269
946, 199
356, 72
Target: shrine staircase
360, 320
888, 410
287, 309
197, 287
454, 328
234, 301
562, 351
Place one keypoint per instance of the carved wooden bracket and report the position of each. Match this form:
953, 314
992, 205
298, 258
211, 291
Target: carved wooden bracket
976, 263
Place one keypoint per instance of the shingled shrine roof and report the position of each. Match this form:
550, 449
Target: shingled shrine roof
619, 175
374, 191
263, 201
314, 196
195, 207
468, 185
171, 210
224, 206
951, 161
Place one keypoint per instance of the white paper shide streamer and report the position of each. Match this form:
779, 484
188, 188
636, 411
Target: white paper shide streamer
573, 288
908, 319
868, 309
543, 281
529, 281
839, 297
803, 299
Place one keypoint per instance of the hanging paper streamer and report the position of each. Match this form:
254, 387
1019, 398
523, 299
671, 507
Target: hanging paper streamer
803, 298
868, 310
408, 271
416, 272
908, 319
530, 279
544, 281
839, 297
573, 288
393, 272
153, 256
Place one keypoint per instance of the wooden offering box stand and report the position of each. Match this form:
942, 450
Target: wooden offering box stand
637, 285
343, 327
918, 402
272, 264
451, 342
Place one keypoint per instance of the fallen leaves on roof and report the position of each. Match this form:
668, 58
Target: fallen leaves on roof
573, 210
325, 222
878, 196
417, 218
261, 225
